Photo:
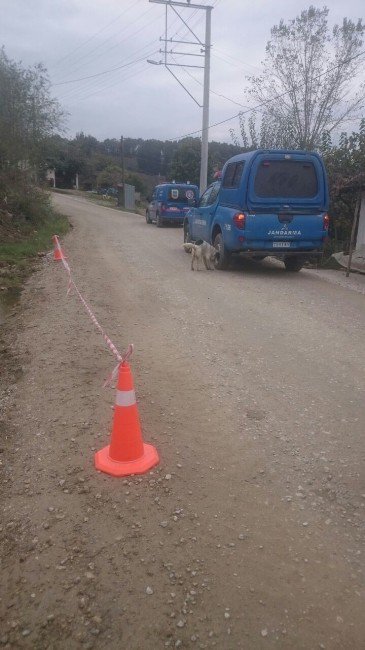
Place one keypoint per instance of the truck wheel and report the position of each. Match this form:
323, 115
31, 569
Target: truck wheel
148, 218
187, 237
159, 221
293, 264
223, 260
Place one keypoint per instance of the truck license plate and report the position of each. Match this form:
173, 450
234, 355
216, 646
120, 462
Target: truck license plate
281, 244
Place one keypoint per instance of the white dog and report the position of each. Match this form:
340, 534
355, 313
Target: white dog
202, 251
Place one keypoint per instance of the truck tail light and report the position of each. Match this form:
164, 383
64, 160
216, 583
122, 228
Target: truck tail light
239, 220
326, 222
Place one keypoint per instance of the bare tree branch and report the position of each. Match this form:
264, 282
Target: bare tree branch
307, 73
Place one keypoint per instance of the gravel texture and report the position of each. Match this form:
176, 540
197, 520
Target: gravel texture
250, 383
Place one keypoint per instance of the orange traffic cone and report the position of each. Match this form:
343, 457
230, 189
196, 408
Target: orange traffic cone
127, 453
58, 252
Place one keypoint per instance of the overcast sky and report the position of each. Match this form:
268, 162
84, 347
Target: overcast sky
81, 38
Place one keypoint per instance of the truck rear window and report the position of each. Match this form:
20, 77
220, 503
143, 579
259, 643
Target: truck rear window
286, 179
180, 194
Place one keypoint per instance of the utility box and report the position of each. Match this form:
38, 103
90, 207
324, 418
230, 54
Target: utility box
126, 196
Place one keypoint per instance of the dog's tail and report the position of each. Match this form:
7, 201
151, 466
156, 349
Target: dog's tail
188, 247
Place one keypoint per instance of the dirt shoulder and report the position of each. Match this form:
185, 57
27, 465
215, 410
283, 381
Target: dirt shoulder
248, 533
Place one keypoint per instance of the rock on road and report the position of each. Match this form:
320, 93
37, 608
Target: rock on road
250, 383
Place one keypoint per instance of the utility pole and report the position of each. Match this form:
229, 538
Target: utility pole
205, 50
123, 169
205, 125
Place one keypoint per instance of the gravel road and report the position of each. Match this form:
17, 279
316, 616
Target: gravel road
250, 384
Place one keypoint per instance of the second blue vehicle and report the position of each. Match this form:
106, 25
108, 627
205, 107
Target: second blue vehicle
170, 202
268, 203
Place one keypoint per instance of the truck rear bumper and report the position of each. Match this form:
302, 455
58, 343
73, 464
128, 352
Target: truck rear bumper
279, 254
177, 221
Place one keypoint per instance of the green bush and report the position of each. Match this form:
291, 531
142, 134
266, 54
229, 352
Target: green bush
27, 219
29, 205
38, 241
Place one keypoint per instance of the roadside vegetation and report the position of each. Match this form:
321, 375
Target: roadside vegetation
26, 228
28, 118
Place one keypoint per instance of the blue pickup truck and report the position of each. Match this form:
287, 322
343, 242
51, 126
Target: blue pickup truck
267, 203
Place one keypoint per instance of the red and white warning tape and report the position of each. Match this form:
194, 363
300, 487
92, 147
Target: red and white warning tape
71, 284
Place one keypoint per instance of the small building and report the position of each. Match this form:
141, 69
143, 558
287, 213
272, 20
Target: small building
51, 177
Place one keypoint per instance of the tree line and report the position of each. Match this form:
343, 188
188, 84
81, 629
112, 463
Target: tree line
100, 163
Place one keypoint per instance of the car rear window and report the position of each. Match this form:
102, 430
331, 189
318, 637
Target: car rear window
286, 179
181, 194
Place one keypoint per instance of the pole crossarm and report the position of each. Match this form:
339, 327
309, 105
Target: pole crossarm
172, 40
181, 4
185, 53
183, 65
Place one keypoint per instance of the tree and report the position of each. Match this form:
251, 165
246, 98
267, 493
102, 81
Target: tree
110, 176
139, 185
345, 165
262, 132
66, 158
28, 114
185, 165
305, 87
150, 156
86, 144
219, 152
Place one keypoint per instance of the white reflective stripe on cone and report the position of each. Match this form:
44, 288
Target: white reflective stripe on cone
125, 398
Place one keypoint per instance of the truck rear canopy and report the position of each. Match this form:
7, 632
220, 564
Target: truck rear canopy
286, 179
286, 182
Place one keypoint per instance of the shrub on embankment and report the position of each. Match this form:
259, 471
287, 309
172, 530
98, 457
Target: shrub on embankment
27, 223
29, 116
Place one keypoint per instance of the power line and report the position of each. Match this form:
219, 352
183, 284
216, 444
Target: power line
133, 35
71, 94
78, 67
113, 77
242, 65
94, 35
90, 84
268, 101
213, 92
106, 87
99, 74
